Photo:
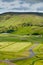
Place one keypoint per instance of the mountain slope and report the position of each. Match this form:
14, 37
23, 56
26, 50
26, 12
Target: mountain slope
21, 23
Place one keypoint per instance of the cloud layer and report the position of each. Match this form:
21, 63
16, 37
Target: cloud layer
21, 6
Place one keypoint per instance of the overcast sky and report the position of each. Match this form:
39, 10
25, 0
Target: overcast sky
21, 6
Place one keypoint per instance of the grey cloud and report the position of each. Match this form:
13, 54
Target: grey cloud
33, 0
7, 0
21, 5
40, 9
21, 8
1, 8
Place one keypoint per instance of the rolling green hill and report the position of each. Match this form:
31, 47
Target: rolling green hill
23, 24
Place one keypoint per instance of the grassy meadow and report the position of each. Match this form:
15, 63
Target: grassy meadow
21, 39
14, 50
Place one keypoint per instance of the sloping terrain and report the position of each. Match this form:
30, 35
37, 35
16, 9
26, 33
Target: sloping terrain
21, 38
31, 23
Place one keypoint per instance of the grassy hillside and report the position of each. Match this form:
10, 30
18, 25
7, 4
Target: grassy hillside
21, 38
23, 24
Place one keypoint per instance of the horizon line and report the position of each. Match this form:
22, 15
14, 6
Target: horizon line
22, 12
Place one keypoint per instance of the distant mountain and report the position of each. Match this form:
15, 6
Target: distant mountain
38, 13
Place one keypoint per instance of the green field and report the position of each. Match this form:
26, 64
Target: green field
21, 39
13, 46
14, 50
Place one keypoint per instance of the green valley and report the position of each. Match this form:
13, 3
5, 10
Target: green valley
21, 38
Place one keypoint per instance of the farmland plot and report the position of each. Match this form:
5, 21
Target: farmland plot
13, 46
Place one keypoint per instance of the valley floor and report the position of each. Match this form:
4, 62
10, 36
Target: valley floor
21, 38
21, 53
